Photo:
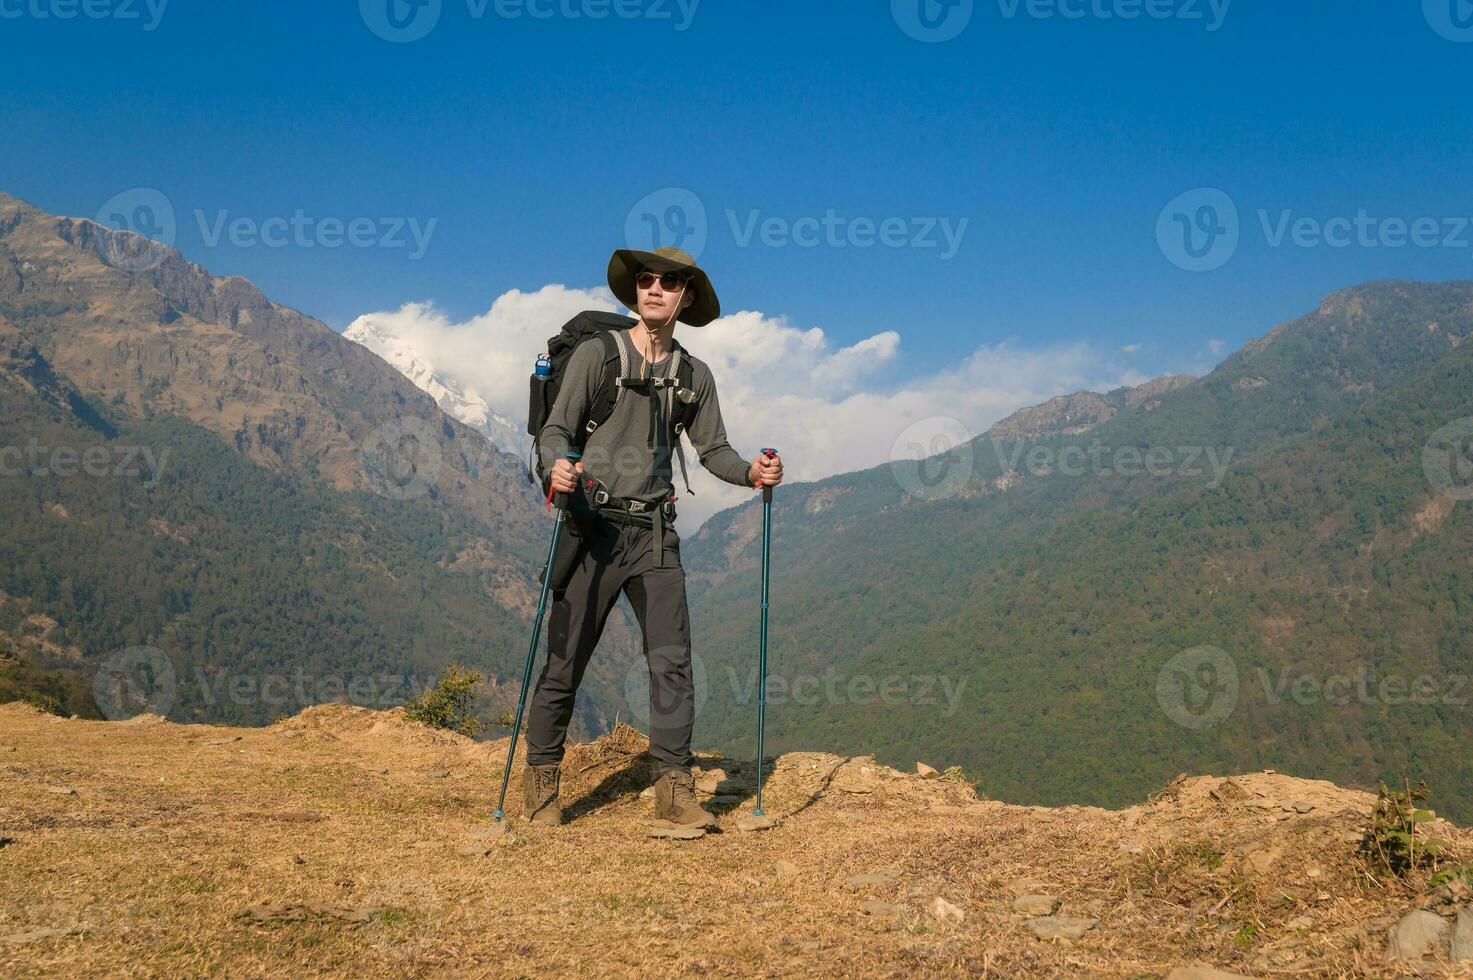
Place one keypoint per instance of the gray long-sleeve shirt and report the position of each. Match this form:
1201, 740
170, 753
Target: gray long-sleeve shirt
631, 453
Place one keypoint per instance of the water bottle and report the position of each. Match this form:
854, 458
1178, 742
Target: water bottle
539, 404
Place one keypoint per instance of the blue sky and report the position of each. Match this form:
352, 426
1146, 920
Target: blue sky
527, 140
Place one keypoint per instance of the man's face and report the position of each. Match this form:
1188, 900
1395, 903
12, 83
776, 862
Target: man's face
657, 292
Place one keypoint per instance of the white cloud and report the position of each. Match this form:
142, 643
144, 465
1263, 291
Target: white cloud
1216, 347
826, 409
1130, 348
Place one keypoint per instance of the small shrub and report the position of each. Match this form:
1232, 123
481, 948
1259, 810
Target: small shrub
1202, 853
1463, 873
1395, 843
449, 704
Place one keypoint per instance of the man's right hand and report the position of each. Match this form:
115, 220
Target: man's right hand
565, 475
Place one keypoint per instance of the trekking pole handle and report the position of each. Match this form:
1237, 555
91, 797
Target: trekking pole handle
560, 500
767, 491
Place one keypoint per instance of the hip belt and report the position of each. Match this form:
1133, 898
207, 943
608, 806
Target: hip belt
626, 510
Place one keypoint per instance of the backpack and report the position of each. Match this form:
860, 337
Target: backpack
552, 367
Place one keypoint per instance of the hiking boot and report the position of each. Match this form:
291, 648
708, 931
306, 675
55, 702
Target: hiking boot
675, 801
539, 795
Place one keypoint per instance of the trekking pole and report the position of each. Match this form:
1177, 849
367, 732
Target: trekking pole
561, 501
762, 654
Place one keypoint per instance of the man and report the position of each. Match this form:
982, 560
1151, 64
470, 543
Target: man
625, 477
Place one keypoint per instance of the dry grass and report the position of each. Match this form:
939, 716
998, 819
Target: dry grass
323, 845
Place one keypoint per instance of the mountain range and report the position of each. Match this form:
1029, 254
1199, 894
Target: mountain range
450, 394
1262, 567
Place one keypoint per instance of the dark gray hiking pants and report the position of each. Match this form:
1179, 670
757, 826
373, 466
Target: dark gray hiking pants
615, 558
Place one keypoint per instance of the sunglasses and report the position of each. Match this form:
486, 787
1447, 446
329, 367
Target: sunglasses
669, 281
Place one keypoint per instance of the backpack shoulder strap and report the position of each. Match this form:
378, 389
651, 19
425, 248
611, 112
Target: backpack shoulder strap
616, 365
684, 374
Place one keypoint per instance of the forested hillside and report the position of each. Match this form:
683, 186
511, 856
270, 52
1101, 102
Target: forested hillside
1305, 542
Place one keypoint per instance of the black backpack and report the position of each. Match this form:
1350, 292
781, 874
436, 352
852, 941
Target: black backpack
545, 386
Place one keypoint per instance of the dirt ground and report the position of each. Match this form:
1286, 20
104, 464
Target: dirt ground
345, 840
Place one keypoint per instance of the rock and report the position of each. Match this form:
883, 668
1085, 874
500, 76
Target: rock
7, 748
61, 790
1302, 807
1202, 973
223, 741
1061, 927
1418, 934
1463, 937
751, 823
422, 845
1354, 836
379, 770
1229, 791
886, 877
1302, 922
707, 781
16, 938
887, 910
492, 830
438, 774
1033, 906
1262, 862
473, 850
678, 833
925, 771
786, 869
944, 911
1132, 847
648, 793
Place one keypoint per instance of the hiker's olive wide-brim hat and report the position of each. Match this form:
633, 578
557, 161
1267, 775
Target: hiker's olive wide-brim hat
626, 264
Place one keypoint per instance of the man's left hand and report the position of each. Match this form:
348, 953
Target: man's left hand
766, 470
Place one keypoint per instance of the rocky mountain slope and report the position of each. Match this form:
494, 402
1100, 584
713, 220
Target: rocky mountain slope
346, 840
214, 483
